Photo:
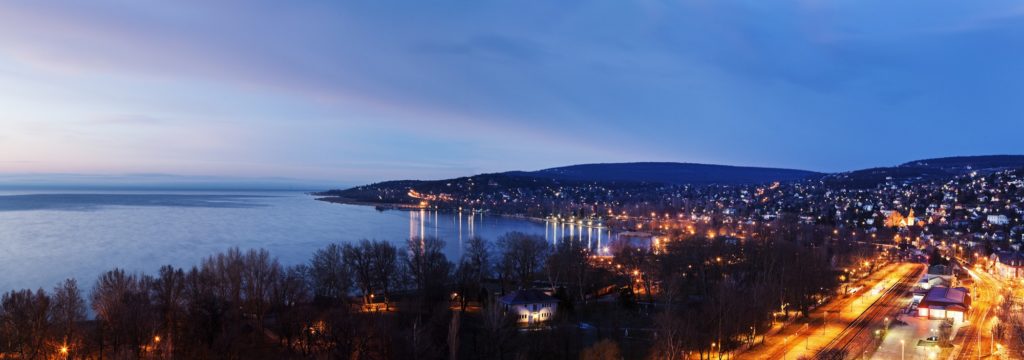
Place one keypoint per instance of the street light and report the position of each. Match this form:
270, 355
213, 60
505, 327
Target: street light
903, 349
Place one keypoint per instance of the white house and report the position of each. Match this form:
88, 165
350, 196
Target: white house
997, 219
530, 306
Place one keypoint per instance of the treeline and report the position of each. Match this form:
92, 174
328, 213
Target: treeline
369, 300
375, 300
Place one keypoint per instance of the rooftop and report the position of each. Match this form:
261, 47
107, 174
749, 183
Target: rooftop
946, 296
531, 296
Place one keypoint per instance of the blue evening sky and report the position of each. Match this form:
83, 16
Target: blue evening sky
356, 91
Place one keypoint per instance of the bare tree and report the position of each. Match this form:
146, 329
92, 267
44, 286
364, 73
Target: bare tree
67, 310
373, 265
206, 315
329, 275
260, 273
568, 264
290, 292
384, 258
473, 268
168, 293
122, 305
226, 269
427, 267
23, 322
522, 256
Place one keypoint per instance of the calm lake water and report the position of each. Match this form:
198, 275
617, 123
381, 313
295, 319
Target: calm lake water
47, 237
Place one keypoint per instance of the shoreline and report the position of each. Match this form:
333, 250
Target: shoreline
395, 206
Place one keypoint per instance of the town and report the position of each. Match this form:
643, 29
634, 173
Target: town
812, 268
511, 180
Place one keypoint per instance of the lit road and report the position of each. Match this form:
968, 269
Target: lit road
974, 340
859, 337
846, 318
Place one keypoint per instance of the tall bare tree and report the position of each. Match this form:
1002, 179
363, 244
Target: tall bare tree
168, 293
67, 311
24, 322
260, 273
522, 256
329, 275
427, 267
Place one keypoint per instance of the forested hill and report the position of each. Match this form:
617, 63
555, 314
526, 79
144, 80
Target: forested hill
637, 180
619, 175
924, 170
668, 173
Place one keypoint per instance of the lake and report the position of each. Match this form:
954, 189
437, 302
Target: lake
46, 237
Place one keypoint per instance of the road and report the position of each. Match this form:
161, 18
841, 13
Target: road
809, 338
860, 337
974, 340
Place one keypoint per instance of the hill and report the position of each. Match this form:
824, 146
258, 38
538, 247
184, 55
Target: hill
927, 169
639, 178
668, 173
963, 163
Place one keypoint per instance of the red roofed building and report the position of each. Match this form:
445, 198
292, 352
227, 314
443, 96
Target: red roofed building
945, 303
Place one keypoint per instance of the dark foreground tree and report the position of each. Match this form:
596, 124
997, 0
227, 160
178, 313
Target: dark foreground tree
23, 323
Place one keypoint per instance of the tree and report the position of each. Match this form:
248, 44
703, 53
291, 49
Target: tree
373, 265
498, 331
260, 273
384, 266
168, 293
427, 268
522, 256
290, 291
122, 305
206, 314
473, 268
67, 310
640, 264
329, 274
23, 322
478, 257
226, 270
569, 263
606, 349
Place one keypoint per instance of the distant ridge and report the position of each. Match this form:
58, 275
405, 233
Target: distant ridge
672, 173
927, 169
970, 162
668, 173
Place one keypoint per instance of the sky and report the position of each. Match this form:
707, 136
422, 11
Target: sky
362, 91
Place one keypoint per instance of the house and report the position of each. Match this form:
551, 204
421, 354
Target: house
530, 306
997, 219
945, 303
1008, 264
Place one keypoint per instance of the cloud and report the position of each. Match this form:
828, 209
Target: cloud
487, 46
130, 120
443, 88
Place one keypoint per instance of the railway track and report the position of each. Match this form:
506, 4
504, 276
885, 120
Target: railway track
841, 345
971, 347
837, 306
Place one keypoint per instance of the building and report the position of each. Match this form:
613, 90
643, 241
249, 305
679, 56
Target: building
945, 303
530, 306
1008, 264
997, 219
